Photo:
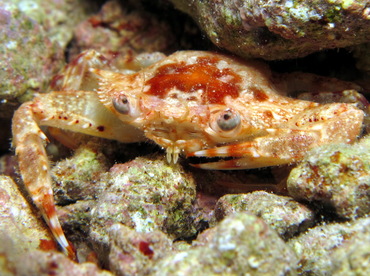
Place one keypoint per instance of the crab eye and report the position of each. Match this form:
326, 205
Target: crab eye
228, 120
122, 104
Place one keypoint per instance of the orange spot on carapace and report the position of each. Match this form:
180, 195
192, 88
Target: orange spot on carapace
204, 75
259, 95
268, 115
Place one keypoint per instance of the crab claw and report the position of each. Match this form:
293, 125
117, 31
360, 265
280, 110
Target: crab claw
245, 157
287, 145
220, 165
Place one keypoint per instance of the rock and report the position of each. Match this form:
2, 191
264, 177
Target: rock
334, 248
335, 177
54, 263
28, 59
33, 37
133, 253
146, 195
8, 165
27, 247
362, 55
20, 226
286, 216
75, 219
77, 177
280, 30
353, 257
58, 18
239, 245
120, 34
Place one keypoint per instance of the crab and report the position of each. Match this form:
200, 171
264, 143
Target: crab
191, 103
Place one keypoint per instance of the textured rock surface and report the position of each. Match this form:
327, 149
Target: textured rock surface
280, 29
331, 248
20, 226
133, 253
53, 263
58, 18
120, 33
77, 178
18, 81
146, 195
26, 247
286, 216
353, 257
336, 177
241, 244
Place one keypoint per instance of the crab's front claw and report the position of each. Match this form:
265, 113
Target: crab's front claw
334, 123
281, 146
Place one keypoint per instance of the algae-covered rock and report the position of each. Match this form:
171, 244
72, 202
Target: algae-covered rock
120, 33
26, 246
241, 244
133, 253
339, 247
58, 18
77, 177
280, 29
28, 59
336, 177
146, 195
281, 213
54, 263
20, 226
353, 257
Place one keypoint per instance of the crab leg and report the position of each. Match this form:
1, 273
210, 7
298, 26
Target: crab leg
29, 141
57, 110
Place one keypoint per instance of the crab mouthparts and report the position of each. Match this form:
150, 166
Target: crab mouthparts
172, 154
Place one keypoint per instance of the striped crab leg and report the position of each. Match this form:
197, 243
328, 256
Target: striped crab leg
29, 140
